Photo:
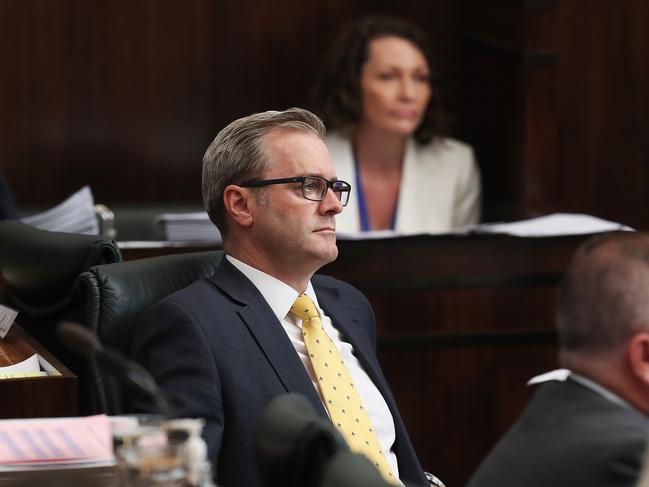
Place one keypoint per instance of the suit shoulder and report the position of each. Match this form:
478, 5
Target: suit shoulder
456, 145
324, 280
346, 290
191, 298
448, 149
199, 287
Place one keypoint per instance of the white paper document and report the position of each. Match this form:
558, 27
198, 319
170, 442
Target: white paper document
27, 368
370, 235
554, 225
7, 318
51, 441
75, 215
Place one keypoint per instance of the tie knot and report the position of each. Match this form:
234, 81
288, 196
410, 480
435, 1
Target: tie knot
304, 308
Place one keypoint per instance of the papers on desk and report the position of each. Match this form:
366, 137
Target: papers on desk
554, 225
30, 367
75, 215
197, 227
7, 318
370, 235
37, 443
188, 227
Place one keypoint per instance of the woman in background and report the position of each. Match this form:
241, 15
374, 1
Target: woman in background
381, 101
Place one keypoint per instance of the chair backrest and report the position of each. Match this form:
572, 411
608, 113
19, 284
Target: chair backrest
39, 268
38, 272
116, 297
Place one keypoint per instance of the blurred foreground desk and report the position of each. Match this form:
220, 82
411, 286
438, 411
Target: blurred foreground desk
463, 323
34, 397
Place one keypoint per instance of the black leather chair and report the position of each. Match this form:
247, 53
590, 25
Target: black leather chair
39, 271
116, 297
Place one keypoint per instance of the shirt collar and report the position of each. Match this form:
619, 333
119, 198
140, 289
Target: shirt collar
279, 295
599, 389
565, 374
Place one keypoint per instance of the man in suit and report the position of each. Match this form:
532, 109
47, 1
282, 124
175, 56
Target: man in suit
223, 347
590, 428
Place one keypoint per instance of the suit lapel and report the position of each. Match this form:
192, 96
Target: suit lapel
269, 334
346, 319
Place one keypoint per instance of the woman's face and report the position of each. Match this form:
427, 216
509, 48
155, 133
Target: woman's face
395, 86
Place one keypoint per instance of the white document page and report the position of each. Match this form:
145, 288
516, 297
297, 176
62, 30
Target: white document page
7, 318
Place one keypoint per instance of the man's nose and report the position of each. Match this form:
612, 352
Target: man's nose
331, 203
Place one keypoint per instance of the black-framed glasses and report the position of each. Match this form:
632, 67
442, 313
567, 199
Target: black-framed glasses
314, 188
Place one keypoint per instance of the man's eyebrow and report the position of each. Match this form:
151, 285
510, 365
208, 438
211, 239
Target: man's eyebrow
320, 175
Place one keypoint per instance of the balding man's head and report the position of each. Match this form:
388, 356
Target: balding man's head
603, 315
604, 299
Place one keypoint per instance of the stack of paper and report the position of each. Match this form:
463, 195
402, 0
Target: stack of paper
75, 215
30, 367
553, 225
44, 443
188, 227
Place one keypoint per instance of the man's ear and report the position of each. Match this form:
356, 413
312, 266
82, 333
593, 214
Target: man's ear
638, 356
239, 203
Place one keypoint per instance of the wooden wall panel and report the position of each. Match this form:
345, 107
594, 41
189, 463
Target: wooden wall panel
556, 106
107, 93
126, 96
603, 110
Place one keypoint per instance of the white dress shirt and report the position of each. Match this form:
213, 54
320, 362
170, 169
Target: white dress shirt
280, 297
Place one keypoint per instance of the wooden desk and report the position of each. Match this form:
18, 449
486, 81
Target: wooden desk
73, 477
34, 397
463, 323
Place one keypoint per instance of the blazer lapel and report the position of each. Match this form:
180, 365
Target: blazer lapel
346, 318
269, 334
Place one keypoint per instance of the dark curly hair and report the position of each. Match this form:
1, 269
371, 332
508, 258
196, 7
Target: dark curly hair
338, 93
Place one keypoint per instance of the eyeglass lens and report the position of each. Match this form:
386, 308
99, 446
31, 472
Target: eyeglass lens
315, 188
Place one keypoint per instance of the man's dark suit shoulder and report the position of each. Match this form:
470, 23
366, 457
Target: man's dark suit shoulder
568, 435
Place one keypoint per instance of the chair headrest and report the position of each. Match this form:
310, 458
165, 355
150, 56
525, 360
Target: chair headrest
39, 268
117, 294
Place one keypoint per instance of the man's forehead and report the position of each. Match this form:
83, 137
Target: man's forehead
287, 137
297, 150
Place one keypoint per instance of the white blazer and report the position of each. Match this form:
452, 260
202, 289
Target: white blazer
440, 186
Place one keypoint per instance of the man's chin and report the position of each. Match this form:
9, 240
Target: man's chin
328, 255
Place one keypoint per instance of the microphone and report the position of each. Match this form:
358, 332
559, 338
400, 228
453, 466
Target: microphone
294, 443
349, 469
82, 341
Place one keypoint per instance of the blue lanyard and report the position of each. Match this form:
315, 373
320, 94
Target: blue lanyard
362, 206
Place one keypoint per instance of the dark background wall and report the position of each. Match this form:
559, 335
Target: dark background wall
125, 96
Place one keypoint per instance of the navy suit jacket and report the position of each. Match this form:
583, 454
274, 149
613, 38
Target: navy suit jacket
569, 435
219, 353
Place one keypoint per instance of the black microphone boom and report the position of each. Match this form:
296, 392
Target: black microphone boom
81, 340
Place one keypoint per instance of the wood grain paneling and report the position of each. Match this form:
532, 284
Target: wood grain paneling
556, 106
126, 96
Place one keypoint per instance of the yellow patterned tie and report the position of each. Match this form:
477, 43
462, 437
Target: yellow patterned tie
337, 387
